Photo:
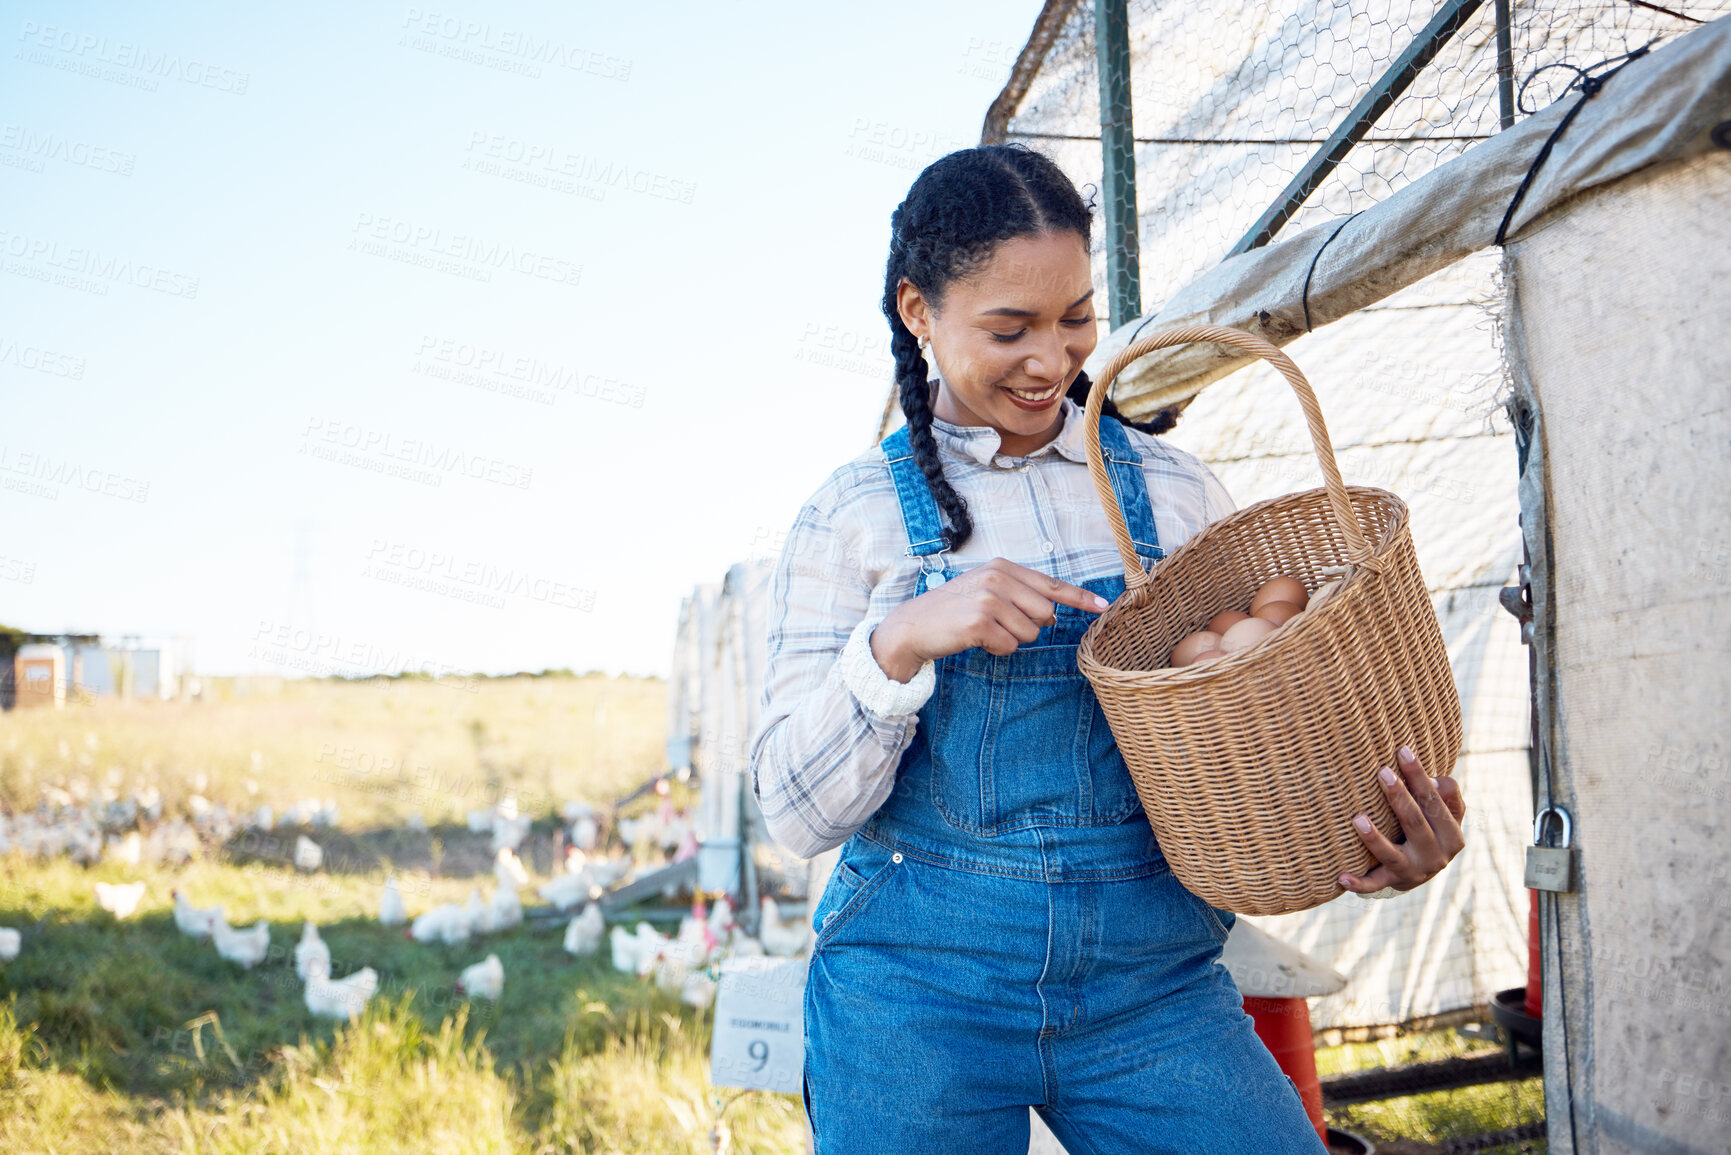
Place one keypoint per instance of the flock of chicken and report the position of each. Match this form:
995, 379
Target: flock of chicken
682, 963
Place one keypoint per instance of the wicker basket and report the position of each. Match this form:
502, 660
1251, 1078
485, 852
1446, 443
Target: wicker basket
1252, 766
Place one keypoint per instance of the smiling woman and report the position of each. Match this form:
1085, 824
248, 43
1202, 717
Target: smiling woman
1002, 930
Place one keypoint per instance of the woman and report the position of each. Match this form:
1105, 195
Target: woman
1001, 930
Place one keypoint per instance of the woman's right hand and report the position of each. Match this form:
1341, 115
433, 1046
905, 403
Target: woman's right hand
997, 606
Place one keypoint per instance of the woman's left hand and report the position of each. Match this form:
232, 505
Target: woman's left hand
1430, 812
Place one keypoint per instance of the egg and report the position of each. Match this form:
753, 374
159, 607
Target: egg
1280, 589
1225, 620
1207, 656
1279, 612
1246, 634
1185, 651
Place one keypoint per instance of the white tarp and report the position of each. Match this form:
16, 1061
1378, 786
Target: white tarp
713, 707
1618, 325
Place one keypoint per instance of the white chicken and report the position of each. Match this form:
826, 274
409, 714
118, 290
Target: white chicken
583, 935
246, 947
624, 947
567, 890
194, 920
585, 833
778, 937
119, 898
509, 833
508, 868
448, 923
651, 944
484, 980
503, 911
312, 954
391, 912
636, 953
343, 998
721, 918
308, 854
10, 942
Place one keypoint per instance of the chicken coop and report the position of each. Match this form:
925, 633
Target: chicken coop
1494, 237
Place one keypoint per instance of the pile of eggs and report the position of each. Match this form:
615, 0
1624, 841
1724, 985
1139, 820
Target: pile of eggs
1278, 602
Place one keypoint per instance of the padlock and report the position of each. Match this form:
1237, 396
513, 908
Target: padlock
1551, 867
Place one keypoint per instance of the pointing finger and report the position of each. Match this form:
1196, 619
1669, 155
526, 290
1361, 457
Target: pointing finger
1052, 589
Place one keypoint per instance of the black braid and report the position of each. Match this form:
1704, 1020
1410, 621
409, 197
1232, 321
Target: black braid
956, 213
1162, 421
916, 399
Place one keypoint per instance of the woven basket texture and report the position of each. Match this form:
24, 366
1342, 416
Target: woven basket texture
1251, 767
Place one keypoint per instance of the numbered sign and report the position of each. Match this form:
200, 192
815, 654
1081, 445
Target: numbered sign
759, 1039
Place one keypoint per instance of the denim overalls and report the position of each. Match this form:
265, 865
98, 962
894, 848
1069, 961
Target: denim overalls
1004, 932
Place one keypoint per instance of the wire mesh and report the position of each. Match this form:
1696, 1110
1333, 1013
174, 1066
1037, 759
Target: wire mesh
1232, 97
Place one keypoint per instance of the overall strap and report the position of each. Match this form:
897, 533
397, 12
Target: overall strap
1124, 467
920, 514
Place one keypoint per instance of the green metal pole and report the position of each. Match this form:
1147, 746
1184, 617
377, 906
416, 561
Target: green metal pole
1118, 154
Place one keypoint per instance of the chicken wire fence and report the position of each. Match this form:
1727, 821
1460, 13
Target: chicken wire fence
1232, 97
1231, 100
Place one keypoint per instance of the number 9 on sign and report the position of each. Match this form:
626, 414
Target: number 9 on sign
759, 1036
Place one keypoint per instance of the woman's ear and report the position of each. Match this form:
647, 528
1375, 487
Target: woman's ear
914, 309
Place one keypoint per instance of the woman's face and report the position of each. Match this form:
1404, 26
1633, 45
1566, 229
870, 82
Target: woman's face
1011, 337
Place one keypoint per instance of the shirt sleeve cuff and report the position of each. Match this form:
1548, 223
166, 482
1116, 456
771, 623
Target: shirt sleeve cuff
877, 692
1385, 892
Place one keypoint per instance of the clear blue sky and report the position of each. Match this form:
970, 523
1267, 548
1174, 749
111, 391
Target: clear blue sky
269, 277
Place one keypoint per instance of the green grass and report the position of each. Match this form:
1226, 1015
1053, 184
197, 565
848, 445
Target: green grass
1440, 1115
129, 1036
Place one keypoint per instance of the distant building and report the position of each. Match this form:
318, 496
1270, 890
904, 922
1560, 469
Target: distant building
47, 670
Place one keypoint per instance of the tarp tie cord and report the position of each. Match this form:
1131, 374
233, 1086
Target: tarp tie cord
1311, 272
1590, 86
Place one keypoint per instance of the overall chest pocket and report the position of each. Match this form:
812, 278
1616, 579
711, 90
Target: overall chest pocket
1020, 741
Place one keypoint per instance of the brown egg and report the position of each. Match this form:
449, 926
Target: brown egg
1185, 651
1246, 634
1207, 656
1279, 612
1280, 589
1225, 620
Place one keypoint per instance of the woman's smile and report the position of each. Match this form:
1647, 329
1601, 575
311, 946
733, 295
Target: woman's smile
1035, 400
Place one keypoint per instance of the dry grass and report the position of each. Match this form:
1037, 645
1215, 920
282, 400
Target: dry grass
109, 1031
384, 749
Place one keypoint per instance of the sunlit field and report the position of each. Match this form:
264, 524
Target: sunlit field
128, 1035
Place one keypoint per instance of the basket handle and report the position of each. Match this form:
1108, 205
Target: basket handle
1358, 549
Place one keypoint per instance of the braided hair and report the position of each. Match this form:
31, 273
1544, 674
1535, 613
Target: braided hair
954, 216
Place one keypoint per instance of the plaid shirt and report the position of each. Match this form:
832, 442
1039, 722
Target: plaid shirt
821, 765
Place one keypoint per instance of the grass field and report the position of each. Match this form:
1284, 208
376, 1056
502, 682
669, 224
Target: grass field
129, 1036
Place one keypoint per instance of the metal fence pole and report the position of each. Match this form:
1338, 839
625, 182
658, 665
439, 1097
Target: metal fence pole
1118, 156
1505, 66
1382, 94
